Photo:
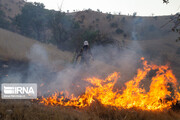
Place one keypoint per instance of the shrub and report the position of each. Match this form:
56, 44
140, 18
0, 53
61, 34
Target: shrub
155, 17
109, 17
119, 31
125, 35
114, 25
123, 20
134, 14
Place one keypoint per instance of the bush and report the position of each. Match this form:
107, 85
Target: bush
134, 14
119, 31
114, 25
76, 25
62, 27
155, 17
109, 17
125, 35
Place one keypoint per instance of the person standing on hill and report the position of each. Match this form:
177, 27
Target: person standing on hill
85, 54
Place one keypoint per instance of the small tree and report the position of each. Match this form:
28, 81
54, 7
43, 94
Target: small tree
32, 20
134, 14
123, 20
124, 35
114, 25
166, 1
109, 17
155, 17
119, 31
60, 25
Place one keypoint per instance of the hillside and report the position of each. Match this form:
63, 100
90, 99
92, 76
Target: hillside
144, 27
144, 35
11, 7
17, 47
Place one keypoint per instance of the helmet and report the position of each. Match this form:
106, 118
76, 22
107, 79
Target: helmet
86, 43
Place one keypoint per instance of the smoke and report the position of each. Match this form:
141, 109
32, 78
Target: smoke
107, 59
38, 55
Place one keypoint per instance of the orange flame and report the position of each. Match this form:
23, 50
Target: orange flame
164, 85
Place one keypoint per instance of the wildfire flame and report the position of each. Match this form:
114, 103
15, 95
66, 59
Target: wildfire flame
163, 85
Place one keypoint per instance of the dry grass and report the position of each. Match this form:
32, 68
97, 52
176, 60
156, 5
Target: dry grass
26, 110
17, 47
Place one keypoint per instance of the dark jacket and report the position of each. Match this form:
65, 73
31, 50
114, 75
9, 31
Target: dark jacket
85, 54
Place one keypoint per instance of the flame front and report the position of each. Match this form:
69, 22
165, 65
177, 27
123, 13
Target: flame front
162, 94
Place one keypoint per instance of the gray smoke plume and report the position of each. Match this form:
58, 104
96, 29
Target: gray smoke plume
107, 59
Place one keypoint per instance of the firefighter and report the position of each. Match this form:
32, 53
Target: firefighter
85, 54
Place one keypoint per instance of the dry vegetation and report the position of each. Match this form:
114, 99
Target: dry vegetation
17, 47
27, 110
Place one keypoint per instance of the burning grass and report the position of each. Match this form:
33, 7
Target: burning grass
102, 101
163, 91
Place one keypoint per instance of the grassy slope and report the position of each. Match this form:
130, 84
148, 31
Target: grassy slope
17, 47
